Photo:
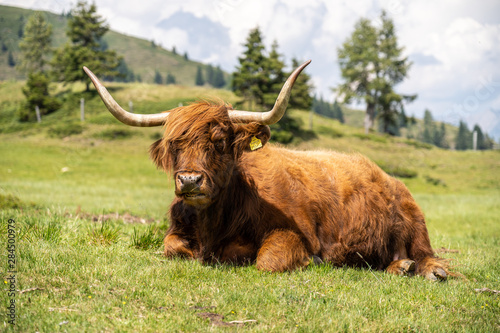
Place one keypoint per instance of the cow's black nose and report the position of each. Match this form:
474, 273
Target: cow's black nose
189, 182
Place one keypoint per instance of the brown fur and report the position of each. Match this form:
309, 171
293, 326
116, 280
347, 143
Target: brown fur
280, 207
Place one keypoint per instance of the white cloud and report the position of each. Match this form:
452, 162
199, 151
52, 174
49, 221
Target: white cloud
172, 37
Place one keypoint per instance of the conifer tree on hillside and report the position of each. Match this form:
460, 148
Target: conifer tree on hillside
215, 76
259, 79
218, 78
301, 97
402, 119
337, 112
326, 109
273, 69
36, 92
199, 80
20, 31
35, 46
85, 31
464, 137
158, 79
480, 137
170, 79
440, 137
429, 128
484, 142
371, 64
250, 77
210, 74
10, 59
125, 73
321, 107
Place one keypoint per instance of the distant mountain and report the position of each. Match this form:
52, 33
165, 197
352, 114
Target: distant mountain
206, 39
143, 57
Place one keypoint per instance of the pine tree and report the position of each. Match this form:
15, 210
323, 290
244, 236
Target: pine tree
170, 79
429, 128
199, 81
328, 110
20, 31
10, 59
186, 57
125, 73
273, 69
463, 140
300, 97
440, 137
371, 63
412, 120
317, 104
488, 142
158, 79
389, 107
321, 107
34, 47
36, 92
337, 112
250, 78
402, 119
482, 140
36, 44
218, 78
210, 75
85, 31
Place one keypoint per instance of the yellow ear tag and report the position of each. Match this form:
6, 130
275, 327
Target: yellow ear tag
255, 143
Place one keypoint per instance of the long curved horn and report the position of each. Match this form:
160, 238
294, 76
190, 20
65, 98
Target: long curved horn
278, 110
237, 116
128, 118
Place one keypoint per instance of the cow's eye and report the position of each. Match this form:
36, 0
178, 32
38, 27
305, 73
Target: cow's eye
220, 145
174, 150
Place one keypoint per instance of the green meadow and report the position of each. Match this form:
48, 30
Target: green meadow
89, 212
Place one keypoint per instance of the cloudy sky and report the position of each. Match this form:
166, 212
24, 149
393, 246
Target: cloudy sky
454, 44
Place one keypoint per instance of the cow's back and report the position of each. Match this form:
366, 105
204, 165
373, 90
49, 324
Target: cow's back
335, 200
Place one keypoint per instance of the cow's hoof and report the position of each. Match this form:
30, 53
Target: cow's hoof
404, 267
316, 260
407, 267
437, 274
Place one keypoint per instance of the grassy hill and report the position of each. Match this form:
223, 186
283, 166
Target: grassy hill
140, 55
420, 165
89, 212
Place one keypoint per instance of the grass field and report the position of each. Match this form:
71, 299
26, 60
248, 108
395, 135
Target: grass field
82, 267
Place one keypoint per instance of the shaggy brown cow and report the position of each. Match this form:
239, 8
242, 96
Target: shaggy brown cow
241, 200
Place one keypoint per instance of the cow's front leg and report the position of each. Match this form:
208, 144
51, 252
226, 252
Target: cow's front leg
179, 246
181, 239
282, 250
404, 267
401, 265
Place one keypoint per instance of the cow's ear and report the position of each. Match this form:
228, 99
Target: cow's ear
160, 156
251, 137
